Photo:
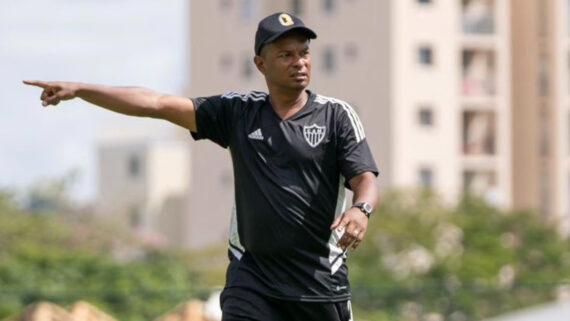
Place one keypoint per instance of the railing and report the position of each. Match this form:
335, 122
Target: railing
482, 25
477, 17
472, 86
478, 133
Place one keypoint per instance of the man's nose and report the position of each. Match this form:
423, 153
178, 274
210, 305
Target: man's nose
299, 61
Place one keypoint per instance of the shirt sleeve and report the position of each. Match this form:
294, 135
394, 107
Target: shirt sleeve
214, 119
353, 153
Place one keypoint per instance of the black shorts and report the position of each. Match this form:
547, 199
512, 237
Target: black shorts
242, 304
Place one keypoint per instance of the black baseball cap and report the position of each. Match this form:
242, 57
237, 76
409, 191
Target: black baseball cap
277, 24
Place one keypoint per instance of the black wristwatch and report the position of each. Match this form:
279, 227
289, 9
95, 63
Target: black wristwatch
364, 208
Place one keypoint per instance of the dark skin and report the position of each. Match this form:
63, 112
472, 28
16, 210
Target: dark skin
286, 66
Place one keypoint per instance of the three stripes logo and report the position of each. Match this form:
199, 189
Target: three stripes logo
256, 134
352, 116
314, 134
253, 95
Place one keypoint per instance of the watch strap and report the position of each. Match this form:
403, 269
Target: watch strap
364, 208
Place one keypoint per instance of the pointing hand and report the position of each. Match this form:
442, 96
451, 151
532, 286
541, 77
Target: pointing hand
53, 92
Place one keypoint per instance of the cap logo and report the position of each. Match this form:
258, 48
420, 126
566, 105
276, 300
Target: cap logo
285, 19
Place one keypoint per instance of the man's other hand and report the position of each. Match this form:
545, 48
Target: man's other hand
354, 223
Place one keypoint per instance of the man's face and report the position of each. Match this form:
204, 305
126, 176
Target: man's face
286, 62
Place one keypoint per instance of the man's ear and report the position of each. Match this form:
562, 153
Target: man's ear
259, 63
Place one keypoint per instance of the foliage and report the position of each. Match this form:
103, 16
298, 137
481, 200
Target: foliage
421, 258
44, 257
52, 195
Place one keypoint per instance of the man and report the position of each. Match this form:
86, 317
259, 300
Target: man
292, 152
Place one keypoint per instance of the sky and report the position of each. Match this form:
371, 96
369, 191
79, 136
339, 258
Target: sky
114, 42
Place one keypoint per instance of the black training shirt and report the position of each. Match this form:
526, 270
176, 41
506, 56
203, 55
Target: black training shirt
289, 187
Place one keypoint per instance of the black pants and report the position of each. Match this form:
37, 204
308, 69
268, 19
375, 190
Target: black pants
242, 304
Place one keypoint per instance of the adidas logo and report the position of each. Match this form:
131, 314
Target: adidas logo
256, 134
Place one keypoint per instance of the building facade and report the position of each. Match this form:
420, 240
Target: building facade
541, 113
455, 95
429, 79
144, 187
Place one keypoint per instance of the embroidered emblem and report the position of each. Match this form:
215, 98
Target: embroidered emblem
314, 134
285, 19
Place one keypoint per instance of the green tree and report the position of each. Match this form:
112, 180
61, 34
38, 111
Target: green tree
474, 261
45, 257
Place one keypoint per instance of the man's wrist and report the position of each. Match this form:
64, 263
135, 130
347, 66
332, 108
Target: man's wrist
364, 208
76, 88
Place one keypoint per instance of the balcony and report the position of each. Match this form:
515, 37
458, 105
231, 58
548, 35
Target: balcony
482, 183
477, 16
479, 133
478, 72
478, 181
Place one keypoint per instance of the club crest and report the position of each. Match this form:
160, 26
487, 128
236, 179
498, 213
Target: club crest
314, 134
286, 19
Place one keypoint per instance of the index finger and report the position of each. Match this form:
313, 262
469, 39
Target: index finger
37, 83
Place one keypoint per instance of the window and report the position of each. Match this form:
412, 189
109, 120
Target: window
482, 183
249, 9
543, 72
329, 5
225, 4
477, 16
478, 72
297, 7
135, 218
329, 60
425, 116
478, 133
425, 55
134, 166
226, 62
351, 51
247, 69
544, 133
426, 178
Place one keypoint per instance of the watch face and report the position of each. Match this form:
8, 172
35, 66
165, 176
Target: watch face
367, 207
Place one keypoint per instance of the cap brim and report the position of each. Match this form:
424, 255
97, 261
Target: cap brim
310, 34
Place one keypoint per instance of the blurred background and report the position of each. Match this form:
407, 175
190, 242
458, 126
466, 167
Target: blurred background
465, 104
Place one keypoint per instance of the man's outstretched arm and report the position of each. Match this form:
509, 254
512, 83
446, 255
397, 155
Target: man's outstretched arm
133, 101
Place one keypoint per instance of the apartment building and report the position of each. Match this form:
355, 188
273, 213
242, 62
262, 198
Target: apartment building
430, 79
455, 95
144, 187
541, 107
